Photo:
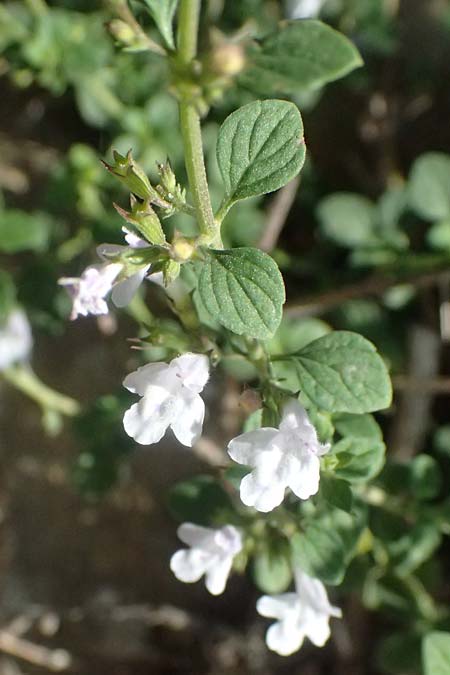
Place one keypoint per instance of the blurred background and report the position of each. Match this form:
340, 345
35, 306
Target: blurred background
363, 240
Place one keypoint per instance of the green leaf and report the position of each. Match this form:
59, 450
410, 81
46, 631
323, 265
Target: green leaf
336, 492
429, 186
357, 426
425, 477
294, 334
163, 12
342, 372
272, 570
21, 231
300, 55
243, 290
328, 544
260, 147
200, 500
7, 294
348, 219
359, 459
436, 653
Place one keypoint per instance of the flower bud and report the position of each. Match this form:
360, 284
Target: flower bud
182, 249
122, 32
145, 220
227, 59
133, 177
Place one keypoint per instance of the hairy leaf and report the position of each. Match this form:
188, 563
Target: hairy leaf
243, 289
300, 55
260, 148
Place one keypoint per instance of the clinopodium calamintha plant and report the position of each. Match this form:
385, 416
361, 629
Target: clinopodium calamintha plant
291, 500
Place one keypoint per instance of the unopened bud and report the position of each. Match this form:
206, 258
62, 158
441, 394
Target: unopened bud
227, 59
132, 176
250, 401
145, 220
182, 249
122, 32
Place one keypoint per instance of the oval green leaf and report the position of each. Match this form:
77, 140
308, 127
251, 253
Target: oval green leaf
260, 148
243, 289
342, 372
301, 55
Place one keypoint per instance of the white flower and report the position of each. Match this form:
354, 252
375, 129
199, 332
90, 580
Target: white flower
170, 398
305, 613
124, 291
304, 9
211, 554
88, 291
282, 458
16, 340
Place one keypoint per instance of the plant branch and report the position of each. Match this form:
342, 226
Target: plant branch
375, 285
28, 383
127, 15
190, 126
277, 213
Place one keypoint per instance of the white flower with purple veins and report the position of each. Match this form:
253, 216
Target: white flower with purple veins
305, 613
211, 554
288, 457
304, 9
89, 291
16, 340
170, 398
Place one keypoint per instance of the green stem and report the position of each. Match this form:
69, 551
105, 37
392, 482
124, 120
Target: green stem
188, 22
28, 383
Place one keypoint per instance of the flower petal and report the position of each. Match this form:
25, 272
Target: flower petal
124, 291
276, 606
193, 370
295, 418
149, 375
187, 424
146, 422
217, 574
262, 497
195, 535
304, 481
284, 638
189, 565
317, 629
246, 448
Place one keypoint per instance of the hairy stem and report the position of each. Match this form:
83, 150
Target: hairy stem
188, 22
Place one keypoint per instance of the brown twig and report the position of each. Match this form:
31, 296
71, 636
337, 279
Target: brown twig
277, 213
55, 660
375, 285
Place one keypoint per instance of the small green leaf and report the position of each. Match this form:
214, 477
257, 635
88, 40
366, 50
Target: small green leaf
272, 570
359, 459
348, 219
163, 12
342, 372
429, 186
328, 544
336, 492
357, 426
21, 231
260, 147
301, 55
243, 290
436, 653
7, 294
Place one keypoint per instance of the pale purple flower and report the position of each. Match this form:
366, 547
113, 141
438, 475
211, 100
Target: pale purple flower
16, 340
288, 457
305, 613
89, 291
170, 398
211, 553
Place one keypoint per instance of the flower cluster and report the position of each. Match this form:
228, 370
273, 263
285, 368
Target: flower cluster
281, 458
